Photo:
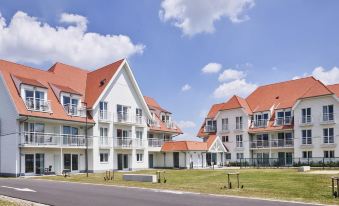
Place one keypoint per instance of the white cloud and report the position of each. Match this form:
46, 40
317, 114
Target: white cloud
330, 76
198, 16
231, 74
211, 68
26, 39
186, 124
237, 87
185, 88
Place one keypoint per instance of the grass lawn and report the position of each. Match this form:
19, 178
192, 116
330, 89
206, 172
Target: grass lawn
7, 203
285, 184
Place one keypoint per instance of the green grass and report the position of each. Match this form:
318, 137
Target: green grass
285, 184
7, 203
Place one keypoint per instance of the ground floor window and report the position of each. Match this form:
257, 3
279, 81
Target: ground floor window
239, 140
240, 155
140, 157
307, 154
103, 157
224, 138
29, 163
228, 156
329, 154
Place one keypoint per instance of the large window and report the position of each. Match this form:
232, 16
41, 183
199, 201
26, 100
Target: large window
103, 111
36, 100
138, 134
140, 157
260, 120
211, 126
104, 157
71, 105
238, 123
283, 117
306, 136
306, 117
103, 136
328, 135
224, 124
329, 154
123, 113
29, 163
239, 141
328, 113
122, 133
307, 154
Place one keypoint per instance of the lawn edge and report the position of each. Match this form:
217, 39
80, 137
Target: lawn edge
188, 192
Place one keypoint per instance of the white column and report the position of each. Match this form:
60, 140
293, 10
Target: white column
133, 159
145, 142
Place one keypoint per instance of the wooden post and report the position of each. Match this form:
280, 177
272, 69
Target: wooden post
228, 181
332, 186
238, 180
337, 186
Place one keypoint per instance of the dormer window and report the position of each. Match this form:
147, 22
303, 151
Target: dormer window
211, 126
283, 117
260, 120
36, 99
72, 105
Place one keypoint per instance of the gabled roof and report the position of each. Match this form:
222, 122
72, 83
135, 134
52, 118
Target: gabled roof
97, 81
153, 105
236, 102
334, 88
173, 146
317, 89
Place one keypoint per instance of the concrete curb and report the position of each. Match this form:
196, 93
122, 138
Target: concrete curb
20, 202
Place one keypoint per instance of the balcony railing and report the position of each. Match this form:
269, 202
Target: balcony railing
239, 126
39, 105
327, 118
274, 143
75, 110
306, 119
224, 128
170, 125
153, 122
53, 140
282, 121
105, 142
128, 143
123, 117
210, 128
259, 123
154, 142
104, 116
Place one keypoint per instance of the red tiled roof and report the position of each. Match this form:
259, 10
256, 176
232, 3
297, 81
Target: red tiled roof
234, 103
334, 88
60, 77
184, 146
153, 104
317, 89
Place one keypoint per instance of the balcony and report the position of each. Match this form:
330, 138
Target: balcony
36, 139
104, 116
75, 110
38, 105
224, 128
210, 128
170, 125
154, 142
306, 120
153, 122
105, 142
260, 144
127, 118
280, 121
239, 127
127, 143
327, 118
282, 143
259, 123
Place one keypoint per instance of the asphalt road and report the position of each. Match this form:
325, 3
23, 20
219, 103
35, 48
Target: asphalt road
74, 194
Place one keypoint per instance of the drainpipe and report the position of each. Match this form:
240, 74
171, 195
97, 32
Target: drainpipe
19, 147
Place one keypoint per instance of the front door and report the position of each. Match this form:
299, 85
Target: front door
67, 162
150, 160
289, 158
75, 162
176, 159
209, 159
29, 163
39, 164
122, 161
281, 158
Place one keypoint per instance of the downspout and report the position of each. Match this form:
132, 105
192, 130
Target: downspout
19, 147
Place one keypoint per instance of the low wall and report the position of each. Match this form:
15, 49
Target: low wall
140, 177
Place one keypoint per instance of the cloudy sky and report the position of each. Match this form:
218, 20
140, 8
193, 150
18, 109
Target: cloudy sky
188, 54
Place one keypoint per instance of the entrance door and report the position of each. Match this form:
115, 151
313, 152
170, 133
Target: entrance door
150, 160
125, 161
67, 162
122, 161
289, 158
29, 163
176, 159
39, 164
208, 159
75, 162
281, 158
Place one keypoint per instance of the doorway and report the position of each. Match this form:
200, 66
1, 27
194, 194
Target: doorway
150, 161
176, 160
122, 161
71, 162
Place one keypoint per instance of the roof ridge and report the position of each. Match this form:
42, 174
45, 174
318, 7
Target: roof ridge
29, 67
282, 82
325, 86
51, 69
105, 67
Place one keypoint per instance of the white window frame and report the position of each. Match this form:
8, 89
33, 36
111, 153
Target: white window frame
140, 157
239, 141
328, 139
104, 157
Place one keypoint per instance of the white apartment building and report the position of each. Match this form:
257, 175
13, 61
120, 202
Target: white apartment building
72, 119
278, 124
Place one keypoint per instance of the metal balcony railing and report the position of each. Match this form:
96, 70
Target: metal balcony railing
125, 117
53, 140
105, 141
153, 122
282, 121
128, 143
104, 116
39, 105
75, 110
259, 123
210, 128
274, 143
154, 142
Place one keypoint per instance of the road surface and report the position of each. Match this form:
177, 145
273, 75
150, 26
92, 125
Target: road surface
74, 194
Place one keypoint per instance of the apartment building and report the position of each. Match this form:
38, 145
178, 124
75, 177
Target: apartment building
67, 118
287, 121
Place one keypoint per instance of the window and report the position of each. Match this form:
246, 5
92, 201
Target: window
306, 136
240, 155
122, 133
328, 135
238, 121
138, 112
228, 156
138, 117
307, 154
123, 113
104, 157
224, 124
71, 105
306, 116
224, 138
211, 126
260, 120
283, 117
165, 118
36, 100
103, 110
140, 157
329, 154
138, 134
239, 141
103, 136
328, 113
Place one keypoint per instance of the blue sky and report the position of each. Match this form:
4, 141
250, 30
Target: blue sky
260, 42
